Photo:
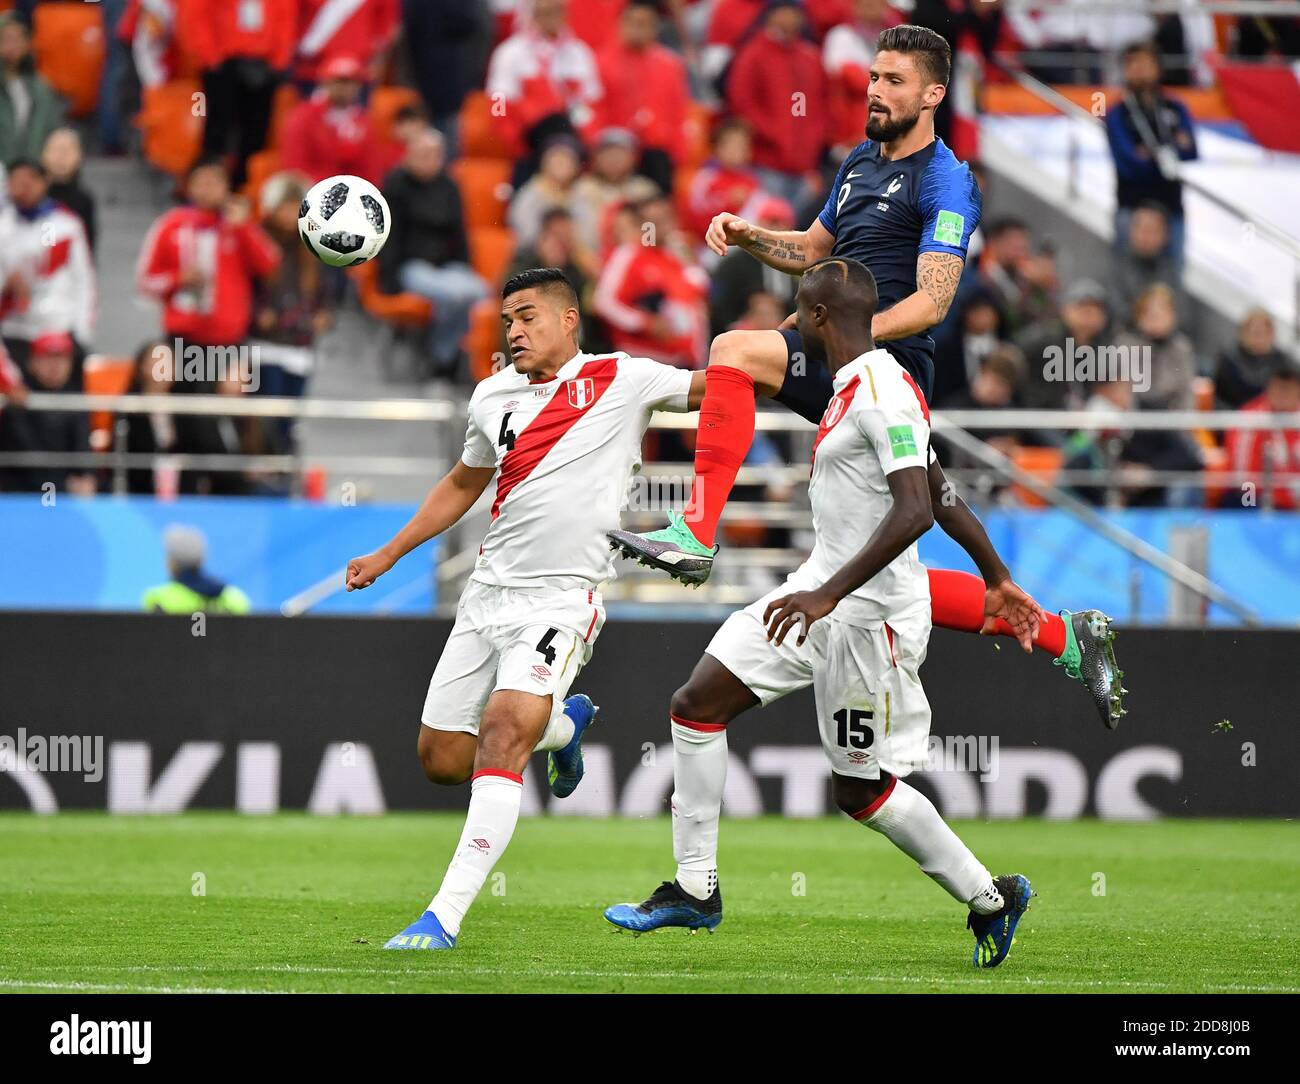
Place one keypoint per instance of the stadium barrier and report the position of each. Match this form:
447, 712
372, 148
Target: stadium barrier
157, 715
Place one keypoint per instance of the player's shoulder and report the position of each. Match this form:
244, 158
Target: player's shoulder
890, 389
946, 174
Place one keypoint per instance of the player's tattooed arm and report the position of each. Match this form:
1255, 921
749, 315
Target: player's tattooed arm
784, 251
937, 276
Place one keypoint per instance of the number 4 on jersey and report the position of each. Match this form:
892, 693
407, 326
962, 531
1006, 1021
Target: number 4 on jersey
506, 438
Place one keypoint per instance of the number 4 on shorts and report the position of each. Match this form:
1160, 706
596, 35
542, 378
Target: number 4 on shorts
545, 648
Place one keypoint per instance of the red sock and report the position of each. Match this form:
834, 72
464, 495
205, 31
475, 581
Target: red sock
957, 602
725, 433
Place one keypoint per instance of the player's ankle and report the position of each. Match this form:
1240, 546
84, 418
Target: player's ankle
698, 883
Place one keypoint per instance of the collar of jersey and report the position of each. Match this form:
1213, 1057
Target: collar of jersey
858, 366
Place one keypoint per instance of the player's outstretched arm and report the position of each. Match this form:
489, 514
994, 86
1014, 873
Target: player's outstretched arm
937, 276
908, 518
1003, 597
787, 250
451, 498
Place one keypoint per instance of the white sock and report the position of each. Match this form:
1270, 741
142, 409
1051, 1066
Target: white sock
699, 776
493, 811
908, 819
558, 732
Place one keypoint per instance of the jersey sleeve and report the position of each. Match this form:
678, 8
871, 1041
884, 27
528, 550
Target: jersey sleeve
478, 450
658, 386
898, 431
951, 206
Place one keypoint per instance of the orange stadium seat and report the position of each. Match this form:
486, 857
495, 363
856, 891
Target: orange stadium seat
490, 249
1043, 463
486, 339
479, 136
400, 310
261, 166
699, 127
105, 376
385, 102
484, 185
283, 102
68, 43
171, 133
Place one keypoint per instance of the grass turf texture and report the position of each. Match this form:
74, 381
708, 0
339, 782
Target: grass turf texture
294, 902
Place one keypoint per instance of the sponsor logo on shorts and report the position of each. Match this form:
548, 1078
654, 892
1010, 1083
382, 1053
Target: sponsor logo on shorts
540, 672
858, 757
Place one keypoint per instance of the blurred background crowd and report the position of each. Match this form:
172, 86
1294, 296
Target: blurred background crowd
599, 136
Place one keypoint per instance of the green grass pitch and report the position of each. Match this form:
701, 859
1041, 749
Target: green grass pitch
293, 902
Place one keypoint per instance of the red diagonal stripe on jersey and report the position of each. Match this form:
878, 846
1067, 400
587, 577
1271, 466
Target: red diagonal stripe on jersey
554, 420
925, 410
56, 255
844, 395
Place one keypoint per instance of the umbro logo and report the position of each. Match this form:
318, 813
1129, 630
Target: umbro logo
480, 844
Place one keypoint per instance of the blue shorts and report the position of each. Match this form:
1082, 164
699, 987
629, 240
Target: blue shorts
808, 390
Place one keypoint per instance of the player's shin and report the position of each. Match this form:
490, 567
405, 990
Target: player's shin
699, 776
908, 819
494, 802
726, 431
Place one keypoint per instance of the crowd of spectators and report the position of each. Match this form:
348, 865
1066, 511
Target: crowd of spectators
596, 105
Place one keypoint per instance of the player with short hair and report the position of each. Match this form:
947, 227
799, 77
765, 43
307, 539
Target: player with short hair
853, 621
561, 431
904, 206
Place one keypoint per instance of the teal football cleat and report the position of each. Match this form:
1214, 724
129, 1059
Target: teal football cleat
564, 766
672, 549
995, 933
670, 905
425, 933
1089, 657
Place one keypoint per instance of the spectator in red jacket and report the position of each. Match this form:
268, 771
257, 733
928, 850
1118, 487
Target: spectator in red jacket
777, 85
330, 133
361, 30
847, 54
1269, 459
545, 80
726, 181
651, 296
242, 49
646, 91
201, 260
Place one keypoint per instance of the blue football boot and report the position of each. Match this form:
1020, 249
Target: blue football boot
670, 905
995, 933
564, 766
425, 933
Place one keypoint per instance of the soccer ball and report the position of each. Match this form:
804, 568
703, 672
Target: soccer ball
344, 221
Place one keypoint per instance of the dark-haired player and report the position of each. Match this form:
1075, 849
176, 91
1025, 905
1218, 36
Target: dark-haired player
561, 431
853, 621
905, 207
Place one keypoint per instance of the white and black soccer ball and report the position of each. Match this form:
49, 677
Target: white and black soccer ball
344, 220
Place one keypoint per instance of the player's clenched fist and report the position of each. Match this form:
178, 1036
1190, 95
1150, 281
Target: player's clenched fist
727, 229
363, 571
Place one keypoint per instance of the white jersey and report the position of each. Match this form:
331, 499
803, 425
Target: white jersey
876, 423
566, 451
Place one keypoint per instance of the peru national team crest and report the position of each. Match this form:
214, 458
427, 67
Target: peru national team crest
834, 412
582, 392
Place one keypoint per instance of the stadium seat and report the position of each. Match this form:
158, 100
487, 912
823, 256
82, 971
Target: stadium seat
699, 128
1043, 463
261, 166
68, 44
385, 102
490, 249
486, 338
399, 310
105, 376
484, 185
170, 132
478, 134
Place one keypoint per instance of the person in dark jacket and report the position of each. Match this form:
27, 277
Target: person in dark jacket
151, 434
447, 41
427, 252
1149, 133
50, 369
1242, 372
62, 158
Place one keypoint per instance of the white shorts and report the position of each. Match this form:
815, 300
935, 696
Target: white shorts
871, 709
534, 640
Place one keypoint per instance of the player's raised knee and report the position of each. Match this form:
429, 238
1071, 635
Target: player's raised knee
442, 762
733, 348
693, 703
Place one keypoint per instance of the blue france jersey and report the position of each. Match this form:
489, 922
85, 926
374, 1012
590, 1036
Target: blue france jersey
886, 213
